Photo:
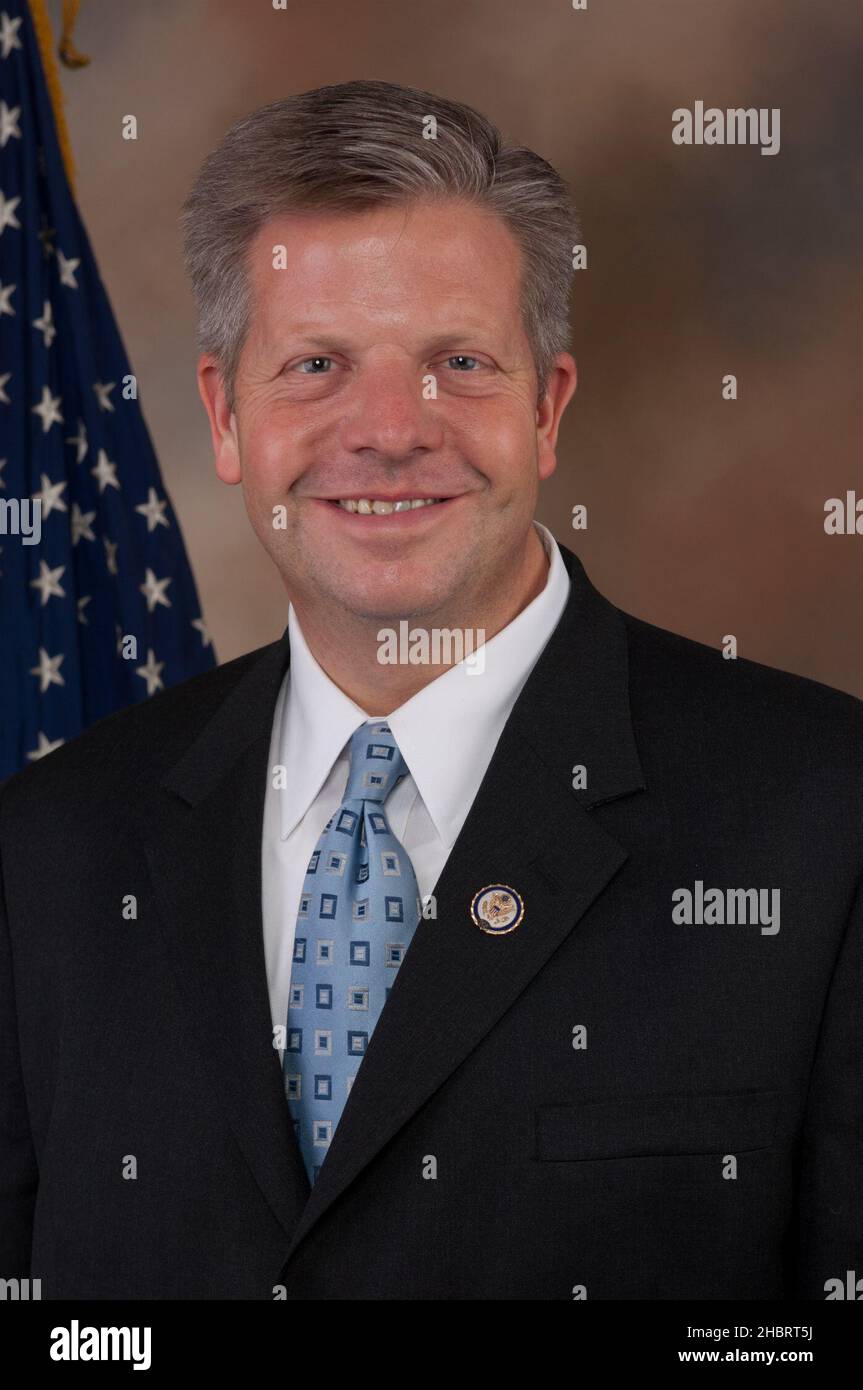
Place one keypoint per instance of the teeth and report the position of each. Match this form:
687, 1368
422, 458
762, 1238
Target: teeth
367, 506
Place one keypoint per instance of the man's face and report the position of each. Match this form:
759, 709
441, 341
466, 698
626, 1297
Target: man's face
387, 360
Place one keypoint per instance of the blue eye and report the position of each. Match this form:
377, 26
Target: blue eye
316, 360
461, 357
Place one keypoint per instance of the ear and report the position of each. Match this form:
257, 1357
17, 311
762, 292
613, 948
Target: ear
562, 382
223, 428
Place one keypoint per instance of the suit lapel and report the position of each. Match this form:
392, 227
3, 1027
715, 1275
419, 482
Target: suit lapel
205, 861
456, 981
203, 844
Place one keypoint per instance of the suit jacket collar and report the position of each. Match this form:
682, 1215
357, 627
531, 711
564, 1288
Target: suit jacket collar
579, 684
204, 852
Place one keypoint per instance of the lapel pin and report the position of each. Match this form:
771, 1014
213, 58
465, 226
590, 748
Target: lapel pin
497, 909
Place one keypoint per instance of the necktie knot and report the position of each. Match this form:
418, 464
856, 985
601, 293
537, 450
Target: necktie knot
376, 763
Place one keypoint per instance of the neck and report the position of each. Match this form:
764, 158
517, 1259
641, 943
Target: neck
346, 646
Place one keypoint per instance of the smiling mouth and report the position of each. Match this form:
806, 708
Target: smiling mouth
383, 506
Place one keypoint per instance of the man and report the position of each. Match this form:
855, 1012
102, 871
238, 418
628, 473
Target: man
532, 972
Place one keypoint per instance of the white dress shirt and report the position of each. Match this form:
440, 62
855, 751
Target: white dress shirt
447, 734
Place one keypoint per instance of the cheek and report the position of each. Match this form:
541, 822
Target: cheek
502, 442
269, 456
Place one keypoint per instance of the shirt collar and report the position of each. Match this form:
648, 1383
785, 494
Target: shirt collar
463, 711
317, 719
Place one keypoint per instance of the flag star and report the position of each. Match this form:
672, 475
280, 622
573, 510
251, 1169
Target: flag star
102, 392
9, 123
105, 472
151, 672
82, 602
47, 583
7, 213
3, 463
45, 237
201, 626
111, 554
153, 510
45, 746
153, 590
81, 524
9, 34
49, 496
3, 379
46, 324
5, 306
67, 270
48, 670
80, 441
47, 410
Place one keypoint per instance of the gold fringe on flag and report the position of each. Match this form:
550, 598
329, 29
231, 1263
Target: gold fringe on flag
69, 54
70, 57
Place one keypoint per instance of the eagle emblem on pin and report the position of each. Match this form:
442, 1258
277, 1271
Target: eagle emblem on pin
497, 909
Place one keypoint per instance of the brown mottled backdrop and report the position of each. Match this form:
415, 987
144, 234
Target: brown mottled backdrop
705, 516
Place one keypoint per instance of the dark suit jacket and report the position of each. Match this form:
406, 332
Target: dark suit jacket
706, 1142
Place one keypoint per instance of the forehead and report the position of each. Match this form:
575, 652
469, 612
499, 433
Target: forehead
413, 264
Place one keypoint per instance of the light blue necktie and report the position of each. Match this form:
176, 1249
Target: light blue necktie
358, 911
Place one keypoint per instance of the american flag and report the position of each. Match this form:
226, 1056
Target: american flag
98, 607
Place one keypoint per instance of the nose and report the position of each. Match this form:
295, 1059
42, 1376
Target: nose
388, 414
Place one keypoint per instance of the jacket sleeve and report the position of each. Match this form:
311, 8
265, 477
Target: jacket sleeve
19, 1174
830, 1211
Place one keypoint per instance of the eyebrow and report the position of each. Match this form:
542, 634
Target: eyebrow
321, 338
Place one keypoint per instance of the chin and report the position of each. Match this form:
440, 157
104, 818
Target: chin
388, 609
386, 602
383, 590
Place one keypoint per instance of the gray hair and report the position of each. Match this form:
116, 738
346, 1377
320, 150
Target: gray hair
354, 146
